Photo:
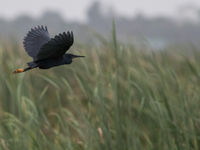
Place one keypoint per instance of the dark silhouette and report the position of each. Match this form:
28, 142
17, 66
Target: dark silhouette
47, 52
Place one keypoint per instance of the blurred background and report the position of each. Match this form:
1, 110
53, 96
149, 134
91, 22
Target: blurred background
157, 22
138, 88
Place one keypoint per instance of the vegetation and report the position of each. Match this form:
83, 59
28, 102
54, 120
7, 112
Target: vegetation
119, 97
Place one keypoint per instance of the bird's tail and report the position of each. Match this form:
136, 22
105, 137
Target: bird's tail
22, 70
32, 64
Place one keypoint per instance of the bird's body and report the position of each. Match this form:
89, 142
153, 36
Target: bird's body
51, 62
47, 52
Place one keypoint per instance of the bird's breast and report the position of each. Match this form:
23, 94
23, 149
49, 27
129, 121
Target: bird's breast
49, 63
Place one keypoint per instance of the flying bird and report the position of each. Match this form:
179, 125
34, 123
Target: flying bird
47, 52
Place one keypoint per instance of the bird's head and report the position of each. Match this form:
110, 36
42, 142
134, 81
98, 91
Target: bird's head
68, 57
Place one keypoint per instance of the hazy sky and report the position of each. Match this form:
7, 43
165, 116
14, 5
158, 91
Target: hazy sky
76, 9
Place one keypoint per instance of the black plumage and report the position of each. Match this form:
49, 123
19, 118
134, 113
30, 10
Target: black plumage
47, 52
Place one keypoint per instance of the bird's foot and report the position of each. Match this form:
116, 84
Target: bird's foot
18, 70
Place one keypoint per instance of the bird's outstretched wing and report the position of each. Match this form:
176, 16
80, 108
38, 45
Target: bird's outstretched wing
35, 39
57, 46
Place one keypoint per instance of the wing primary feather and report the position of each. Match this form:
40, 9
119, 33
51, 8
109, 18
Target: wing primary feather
35, 39
57, 46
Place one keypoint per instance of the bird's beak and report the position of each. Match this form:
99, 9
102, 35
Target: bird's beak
76, 56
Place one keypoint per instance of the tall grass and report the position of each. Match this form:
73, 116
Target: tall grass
117, 97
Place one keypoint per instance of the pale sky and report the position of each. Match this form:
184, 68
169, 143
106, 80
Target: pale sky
76, 9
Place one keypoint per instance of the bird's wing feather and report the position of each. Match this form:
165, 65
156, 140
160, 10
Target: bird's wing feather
35, 39
57, 46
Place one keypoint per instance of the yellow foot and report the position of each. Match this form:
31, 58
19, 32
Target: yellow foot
18, 70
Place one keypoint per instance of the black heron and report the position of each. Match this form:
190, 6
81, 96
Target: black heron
47, 52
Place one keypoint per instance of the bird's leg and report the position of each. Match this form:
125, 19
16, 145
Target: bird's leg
18, 70
22, 70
